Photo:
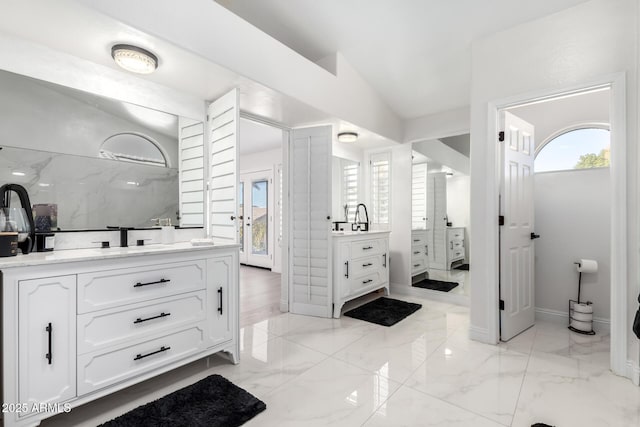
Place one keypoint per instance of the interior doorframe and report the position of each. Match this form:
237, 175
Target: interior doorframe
619, 251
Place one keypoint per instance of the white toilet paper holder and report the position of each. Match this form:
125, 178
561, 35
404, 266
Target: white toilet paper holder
584, 325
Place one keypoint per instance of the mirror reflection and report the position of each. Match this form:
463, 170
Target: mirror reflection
94, 161
440, 214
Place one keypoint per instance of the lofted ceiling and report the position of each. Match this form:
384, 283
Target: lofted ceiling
415, 53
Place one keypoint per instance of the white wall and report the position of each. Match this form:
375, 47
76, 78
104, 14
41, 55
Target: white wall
573, 220
447, 123
572, 47
458, 205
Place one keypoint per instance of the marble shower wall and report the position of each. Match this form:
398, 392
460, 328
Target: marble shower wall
92, 193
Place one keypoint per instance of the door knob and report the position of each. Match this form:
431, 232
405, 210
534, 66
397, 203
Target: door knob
534, 236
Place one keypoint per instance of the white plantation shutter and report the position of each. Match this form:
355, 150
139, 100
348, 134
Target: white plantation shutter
419, 196
350, 175
310, 286
191, 183
380, 188
223, 167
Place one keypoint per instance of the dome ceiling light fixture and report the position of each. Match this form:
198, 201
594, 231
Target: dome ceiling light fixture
347, 137
134, 58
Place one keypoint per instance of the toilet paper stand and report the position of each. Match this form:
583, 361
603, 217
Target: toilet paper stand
581, 314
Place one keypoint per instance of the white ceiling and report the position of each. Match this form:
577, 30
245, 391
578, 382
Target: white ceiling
256, 137
415, 53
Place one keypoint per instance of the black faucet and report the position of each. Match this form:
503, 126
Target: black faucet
124, 234
359, 225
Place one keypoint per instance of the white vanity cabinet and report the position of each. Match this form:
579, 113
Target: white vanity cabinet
85, 326
360, 265
455, 245
419, 251
46, 340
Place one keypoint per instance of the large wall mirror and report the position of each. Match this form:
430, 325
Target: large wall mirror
347, 190
94, 161
440, 214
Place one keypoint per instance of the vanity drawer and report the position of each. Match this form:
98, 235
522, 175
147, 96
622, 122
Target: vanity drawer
111, 288
100, 369
368, 247
418, 264
455, 234
371, 280
456, 254
419, 238
456, 245
115, 326
364, 266
418, 252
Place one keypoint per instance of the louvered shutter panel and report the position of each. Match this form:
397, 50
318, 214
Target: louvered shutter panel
310, 287
419, 197
223, 167
191, 159
350, 188
381, 188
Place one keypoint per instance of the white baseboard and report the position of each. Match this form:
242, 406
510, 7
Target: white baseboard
600, 325
447, 297
284, 306
480, 334
633, 372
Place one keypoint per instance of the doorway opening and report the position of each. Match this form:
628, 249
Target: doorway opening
260, 219
556, 185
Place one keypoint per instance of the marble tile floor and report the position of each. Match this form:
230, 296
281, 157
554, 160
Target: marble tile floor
423, 371
459, 276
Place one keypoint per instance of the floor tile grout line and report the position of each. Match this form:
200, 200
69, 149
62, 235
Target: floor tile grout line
524, 377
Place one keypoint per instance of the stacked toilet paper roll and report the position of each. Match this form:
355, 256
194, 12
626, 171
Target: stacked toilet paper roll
582, 318
588, 266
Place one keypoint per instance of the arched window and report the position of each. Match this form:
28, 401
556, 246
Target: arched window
133, 147
581, 148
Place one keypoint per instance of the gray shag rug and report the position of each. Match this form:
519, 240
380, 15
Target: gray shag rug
212, 402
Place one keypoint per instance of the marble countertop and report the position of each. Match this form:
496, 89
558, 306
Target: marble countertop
358, 233
71, 255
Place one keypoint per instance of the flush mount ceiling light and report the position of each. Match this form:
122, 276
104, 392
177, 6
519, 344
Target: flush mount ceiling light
347, 137
134, 59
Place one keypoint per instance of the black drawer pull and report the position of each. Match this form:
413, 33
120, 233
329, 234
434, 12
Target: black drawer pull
416, 240
139, 284
368, 264
366, 248
220, 300
139, 320
416, 265
142, 356
49, 330
367, 281
416, 252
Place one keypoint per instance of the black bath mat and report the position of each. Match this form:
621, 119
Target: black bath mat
462, 267
436, 285
384, 311
213, 401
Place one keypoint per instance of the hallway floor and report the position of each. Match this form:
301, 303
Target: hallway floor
423, 371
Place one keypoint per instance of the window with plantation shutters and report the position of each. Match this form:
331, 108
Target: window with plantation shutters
350, 174
380, 172
419, 197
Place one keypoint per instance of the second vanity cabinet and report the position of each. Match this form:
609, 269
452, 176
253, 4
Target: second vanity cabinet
84, 329
360, 265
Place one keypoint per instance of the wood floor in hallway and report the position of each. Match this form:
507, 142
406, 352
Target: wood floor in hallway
259, 294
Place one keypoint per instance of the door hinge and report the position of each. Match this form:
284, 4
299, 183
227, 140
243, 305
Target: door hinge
501, 220
501, 136
501, 304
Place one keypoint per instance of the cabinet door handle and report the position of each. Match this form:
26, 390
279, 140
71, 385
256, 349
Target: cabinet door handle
367, 281
139, 284
384, 263
140, 320
49, 330
142, 356
426, 250
347, 273
368, 264
451, 245
220, 300
366, 248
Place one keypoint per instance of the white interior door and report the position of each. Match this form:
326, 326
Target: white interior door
223, 124
310, 284
438, 220
256, 218
516, 235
